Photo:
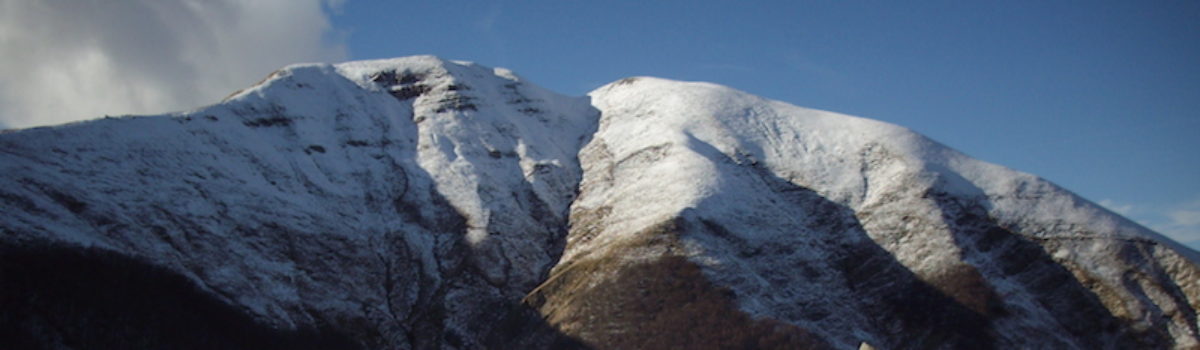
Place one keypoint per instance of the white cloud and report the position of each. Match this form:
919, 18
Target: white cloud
1185, 217
66, 60
1123, 209
1181, 222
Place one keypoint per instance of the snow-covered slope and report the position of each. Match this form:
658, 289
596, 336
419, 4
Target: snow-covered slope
411, 197
421, 203
844, 226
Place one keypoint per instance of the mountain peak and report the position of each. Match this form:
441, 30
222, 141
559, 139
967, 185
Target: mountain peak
418, 202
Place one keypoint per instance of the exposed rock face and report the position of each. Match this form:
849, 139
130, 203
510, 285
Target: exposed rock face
419, 203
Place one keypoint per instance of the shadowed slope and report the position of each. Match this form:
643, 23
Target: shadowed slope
72, 297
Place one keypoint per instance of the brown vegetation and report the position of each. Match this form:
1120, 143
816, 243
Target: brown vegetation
664, 302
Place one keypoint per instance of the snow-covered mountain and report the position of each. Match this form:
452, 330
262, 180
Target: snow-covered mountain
422, 203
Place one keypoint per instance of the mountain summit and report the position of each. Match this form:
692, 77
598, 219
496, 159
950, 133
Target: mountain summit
422, 203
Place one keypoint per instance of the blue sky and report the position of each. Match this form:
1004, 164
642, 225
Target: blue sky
1098, 96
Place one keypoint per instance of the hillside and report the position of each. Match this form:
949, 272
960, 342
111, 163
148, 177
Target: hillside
422, 203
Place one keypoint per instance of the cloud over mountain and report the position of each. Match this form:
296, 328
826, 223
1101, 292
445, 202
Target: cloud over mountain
73, 60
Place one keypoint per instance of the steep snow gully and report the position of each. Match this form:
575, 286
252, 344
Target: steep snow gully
422, 203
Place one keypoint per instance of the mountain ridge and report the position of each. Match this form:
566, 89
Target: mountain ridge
423, 203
